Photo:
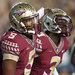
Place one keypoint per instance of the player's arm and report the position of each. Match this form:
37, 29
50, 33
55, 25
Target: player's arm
9, 64
9, 67
10, 51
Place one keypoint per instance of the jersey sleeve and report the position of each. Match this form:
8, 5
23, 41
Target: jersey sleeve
9, 44
41, 42
10, 56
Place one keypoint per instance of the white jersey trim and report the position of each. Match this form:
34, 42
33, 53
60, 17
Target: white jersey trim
10, 56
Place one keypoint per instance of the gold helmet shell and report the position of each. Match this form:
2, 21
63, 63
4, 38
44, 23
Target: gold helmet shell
57, 21
49, 20
18, 12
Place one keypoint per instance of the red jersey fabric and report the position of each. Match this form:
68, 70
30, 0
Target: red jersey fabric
17, 44
49, 55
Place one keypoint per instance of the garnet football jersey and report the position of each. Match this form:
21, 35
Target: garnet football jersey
48, 54
19, 45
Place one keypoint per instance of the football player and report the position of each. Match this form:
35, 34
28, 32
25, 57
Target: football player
18, 43
53, 43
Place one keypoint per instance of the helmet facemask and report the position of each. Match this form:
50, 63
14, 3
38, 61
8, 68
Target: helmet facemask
65, 23
50, 25
29, 24
57, 21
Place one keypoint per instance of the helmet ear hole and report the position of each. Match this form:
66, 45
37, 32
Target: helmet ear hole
15, 24
20, 7
48, 23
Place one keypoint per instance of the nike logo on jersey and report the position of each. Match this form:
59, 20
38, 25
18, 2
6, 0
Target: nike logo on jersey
36, 55
50, 51
27, 48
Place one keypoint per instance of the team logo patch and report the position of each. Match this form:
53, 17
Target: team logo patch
50, 51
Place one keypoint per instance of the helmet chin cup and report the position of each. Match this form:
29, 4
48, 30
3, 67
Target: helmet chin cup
31, 32
56, 29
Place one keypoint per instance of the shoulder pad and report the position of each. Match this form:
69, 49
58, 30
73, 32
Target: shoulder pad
9, 44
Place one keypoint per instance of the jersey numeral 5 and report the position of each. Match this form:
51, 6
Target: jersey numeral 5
12, 35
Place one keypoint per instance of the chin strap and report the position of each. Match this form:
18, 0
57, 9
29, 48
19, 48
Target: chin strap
31, 32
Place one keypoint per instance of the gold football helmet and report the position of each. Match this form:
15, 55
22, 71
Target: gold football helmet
23, 18
57, 21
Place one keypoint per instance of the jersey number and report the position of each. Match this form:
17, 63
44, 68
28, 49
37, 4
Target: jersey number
12, 35
54, 59
30, 62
